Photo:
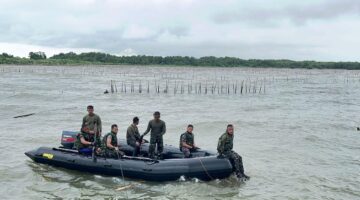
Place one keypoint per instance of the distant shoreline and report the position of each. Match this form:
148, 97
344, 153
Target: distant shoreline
94, 58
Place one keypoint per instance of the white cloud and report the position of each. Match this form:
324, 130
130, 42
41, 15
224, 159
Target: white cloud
127, 52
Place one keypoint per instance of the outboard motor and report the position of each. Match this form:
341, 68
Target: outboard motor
68, 139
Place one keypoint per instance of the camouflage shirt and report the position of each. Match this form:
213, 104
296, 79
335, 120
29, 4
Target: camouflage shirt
90, 121
188, 138
114, 141
225, 143
88, 137
157, 128
132, 135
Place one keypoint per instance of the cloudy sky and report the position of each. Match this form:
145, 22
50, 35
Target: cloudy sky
265, 29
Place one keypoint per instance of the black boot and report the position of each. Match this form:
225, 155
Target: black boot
246, 176
242, 176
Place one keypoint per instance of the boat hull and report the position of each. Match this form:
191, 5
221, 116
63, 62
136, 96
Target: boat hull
203, 168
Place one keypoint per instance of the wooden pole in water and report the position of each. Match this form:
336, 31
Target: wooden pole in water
122, 86
188, 87
228, 88
200, 88
148, 87
167, 86
242, 86
246, 87
111, 86
140, 87
206, 87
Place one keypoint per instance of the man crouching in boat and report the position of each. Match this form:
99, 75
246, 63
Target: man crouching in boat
225, 146
187, 144
85, 140
110, 144
133, 137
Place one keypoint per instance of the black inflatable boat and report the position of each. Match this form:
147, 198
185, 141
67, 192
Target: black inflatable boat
203, 165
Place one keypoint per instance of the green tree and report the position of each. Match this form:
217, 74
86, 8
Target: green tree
37, 55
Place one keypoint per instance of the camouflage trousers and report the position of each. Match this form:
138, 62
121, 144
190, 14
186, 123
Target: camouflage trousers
155, 140
186, 152
112, 153
236, 161
136, 149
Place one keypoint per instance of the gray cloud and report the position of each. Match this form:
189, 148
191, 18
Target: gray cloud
297, 14
165, 27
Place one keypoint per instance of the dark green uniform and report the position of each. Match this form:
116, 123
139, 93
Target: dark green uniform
133, 136
86, 136
188, 138
225, 146
90, 121
158, 129
109, 152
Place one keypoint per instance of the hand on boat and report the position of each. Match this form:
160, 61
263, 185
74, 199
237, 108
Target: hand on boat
221, 156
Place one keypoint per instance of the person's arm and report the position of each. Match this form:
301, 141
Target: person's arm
99, 125
83, 123
194, 145
108, 143
186, 145
221, 144
163, 129
130, 136
183, 142
137, 134
148, 129
83, 141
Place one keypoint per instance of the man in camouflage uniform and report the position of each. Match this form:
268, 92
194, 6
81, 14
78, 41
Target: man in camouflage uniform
110, 144
158, 129
133, 137
225, 146
187, 144
85, 140
92, 120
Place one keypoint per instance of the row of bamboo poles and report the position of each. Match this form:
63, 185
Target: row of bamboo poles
181, 87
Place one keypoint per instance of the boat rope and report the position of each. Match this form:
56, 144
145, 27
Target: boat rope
206, 171
122, 174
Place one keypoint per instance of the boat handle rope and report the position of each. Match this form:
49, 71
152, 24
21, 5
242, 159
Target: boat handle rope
122, 174
206, 171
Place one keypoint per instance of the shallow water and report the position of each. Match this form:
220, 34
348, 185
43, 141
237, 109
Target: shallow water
298, 139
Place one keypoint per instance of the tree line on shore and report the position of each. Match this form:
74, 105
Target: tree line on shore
97, 58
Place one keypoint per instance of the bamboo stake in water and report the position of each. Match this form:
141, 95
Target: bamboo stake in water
111, 87
148, 87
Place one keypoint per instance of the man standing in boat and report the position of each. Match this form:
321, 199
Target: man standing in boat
133, 137
225, 146
158, 129
187, 144
92, 120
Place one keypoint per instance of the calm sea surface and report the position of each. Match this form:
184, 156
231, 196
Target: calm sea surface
298, 138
